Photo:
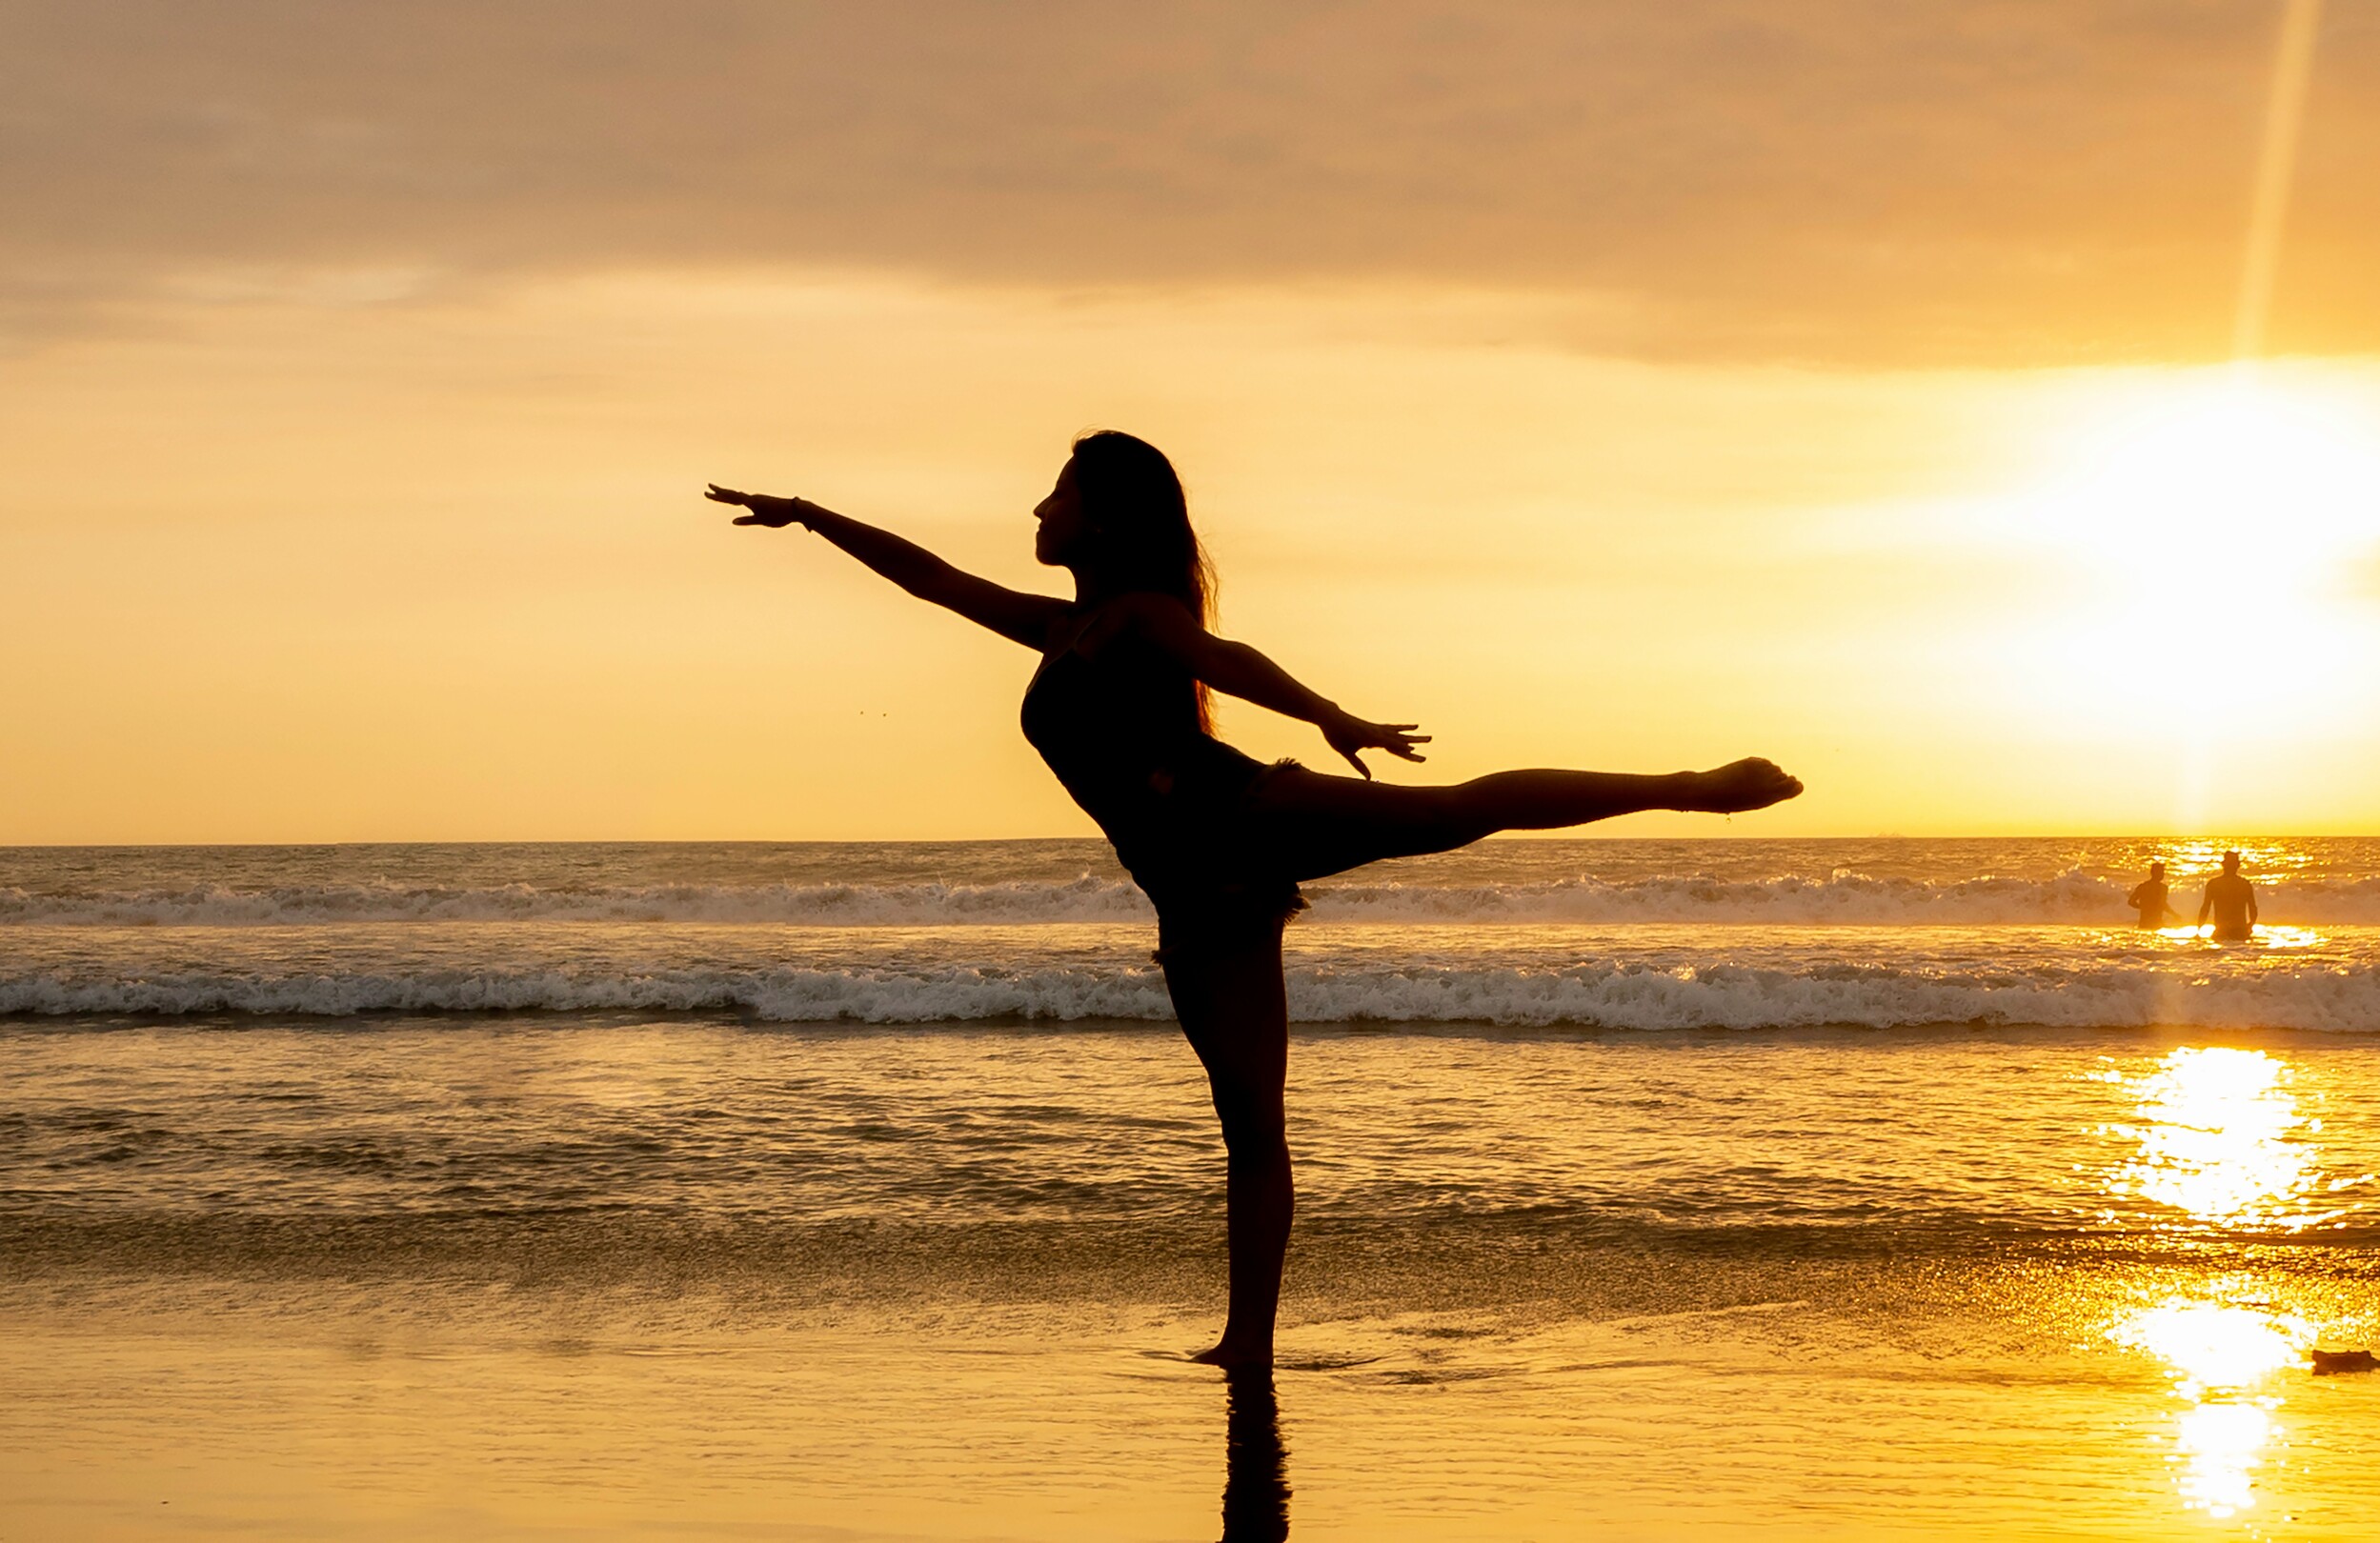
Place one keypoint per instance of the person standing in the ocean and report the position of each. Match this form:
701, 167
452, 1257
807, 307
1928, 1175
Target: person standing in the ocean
2232, 901
2149, 898
1220, 842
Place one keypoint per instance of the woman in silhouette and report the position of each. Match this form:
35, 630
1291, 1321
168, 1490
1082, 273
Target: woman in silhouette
1219, 841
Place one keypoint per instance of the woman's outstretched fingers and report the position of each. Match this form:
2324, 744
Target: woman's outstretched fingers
763, 509
733, 497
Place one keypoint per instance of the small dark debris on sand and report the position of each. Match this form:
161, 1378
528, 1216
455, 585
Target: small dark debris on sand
2330, 1363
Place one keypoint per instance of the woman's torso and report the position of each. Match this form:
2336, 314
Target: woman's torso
1119, 725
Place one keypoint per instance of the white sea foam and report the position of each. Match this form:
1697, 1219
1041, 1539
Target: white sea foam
1842, 898
1086, 899
1625, 996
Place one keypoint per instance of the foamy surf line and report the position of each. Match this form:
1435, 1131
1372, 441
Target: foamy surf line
1638, 997
1840, 898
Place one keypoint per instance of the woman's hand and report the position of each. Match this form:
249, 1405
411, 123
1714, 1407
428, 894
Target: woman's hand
1347, 734
776, 514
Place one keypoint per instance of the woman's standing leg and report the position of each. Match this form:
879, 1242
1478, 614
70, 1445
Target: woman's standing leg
1234, 1009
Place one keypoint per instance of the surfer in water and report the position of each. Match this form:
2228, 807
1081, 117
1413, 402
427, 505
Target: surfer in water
2232, 901
1218, 840
2149, 898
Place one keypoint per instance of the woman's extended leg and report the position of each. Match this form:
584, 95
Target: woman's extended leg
1319, 824
1233, 1008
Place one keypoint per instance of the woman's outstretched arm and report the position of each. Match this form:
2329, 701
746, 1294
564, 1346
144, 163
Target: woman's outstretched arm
1241, 672
1014, 614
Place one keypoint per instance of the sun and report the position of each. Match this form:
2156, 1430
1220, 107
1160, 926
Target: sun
2198, 534
2220, 485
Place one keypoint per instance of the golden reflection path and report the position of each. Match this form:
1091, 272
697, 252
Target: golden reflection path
2221, 1142
2221, 1353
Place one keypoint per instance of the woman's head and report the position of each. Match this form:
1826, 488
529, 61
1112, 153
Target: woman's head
1118, 518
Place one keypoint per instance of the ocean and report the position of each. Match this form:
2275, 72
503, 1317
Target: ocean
1647, 1189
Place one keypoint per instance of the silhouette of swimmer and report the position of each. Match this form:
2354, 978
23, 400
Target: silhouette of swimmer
2233, 901
2148, 899
1219, 841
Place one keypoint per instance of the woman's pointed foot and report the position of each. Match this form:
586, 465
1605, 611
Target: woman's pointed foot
1739, 786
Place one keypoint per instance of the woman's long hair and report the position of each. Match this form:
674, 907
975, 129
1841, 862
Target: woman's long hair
1139, 524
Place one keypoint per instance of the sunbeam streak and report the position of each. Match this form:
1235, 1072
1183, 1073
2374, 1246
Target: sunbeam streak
2285, 113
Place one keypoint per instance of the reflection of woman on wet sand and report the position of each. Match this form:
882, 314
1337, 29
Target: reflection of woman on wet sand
1219, 841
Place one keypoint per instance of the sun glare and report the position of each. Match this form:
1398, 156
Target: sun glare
2202, 534
2226, 486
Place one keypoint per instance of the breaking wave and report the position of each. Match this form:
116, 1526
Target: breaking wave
1842, 898
1612, 996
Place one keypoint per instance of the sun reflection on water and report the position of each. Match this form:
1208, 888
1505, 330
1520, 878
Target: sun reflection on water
2271, 936
2220, 1354
2214, 1347
2220, 1446
2221, 1141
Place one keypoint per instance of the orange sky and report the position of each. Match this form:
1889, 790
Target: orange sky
1602, 385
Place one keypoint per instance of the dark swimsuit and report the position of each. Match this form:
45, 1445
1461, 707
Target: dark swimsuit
1121, 733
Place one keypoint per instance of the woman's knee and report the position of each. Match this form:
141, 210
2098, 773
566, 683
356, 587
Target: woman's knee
1255, 1123
1254, 1151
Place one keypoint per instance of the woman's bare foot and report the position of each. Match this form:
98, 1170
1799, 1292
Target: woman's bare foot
1748, 784
1226, 1354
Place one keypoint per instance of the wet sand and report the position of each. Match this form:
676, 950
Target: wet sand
1882, 1400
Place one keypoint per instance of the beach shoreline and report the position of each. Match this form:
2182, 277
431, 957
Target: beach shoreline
1651, 1229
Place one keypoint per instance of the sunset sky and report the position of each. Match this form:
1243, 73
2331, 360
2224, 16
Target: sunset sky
1606, 384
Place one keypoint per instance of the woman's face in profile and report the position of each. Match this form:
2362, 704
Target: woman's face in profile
1061, 532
